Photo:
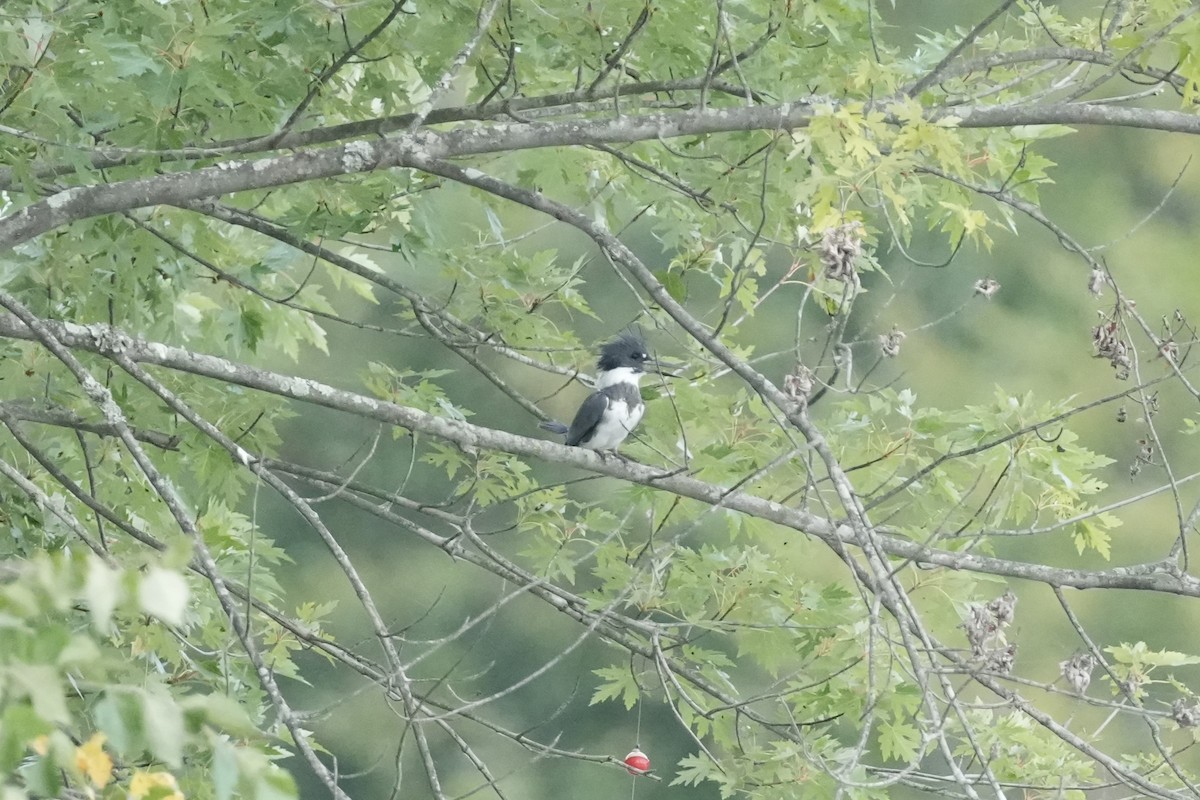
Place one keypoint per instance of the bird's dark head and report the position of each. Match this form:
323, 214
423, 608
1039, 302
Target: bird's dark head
626, 351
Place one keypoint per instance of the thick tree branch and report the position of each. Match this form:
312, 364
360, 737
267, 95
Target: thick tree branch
408, 150
106, 157
103, 339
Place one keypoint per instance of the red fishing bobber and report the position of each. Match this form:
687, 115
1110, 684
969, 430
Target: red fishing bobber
636, 763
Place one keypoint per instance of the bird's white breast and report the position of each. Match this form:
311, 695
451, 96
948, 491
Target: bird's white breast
615, 425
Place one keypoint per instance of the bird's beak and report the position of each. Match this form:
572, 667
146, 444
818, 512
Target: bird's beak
669, 369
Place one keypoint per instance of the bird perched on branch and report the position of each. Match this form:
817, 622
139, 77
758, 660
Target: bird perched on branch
615, 408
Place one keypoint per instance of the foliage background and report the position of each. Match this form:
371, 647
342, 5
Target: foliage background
157, 697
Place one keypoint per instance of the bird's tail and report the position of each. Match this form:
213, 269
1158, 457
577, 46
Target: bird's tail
554, 426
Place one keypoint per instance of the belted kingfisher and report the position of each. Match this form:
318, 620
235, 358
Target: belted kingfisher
615, 408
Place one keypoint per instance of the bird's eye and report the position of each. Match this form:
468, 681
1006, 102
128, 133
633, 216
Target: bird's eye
640, 356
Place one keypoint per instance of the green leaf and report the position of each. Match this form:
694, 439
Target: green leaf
618, 682
120, 715
18, 727
163, 721
219, 711
693, 770
899, 742
41, 684
42, 776
1138, 654
275, 784
102, 593
129, 60
163, 594
12, 793
674, 283
252, 326
225, 769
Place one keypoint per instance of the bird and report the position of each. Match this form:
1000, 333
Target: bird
615, 407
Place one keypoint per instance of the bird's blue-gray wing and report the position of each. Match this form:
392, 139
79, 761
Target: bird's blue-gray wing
587, 418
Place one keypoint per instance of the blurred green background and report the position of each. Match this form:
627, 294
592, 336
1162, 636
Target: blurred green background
1112, 191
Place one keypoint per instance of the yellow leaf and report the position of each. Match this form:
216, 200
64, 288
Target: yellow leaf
92, 761
143, 783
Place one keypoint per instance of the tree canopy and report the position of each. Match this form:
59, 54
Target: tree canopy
287, 288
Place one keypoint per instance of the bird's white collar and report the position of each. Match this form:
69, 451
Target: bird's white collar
612, 377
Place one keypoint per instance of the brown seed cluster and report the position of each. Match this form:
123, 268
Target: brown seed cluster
841, 246
1077, 670
799, 383
1186, 713
889, 343
987, 287
985, 625
1106, 338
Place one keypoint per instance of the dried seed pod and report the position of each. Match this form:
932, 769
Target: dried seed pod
987, 287
889, 343
798, 384
1133, 683
1001, 660
979, 627
1077, 670
984, 626
1003, 608
1107, 341
1186, 714
840, 247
